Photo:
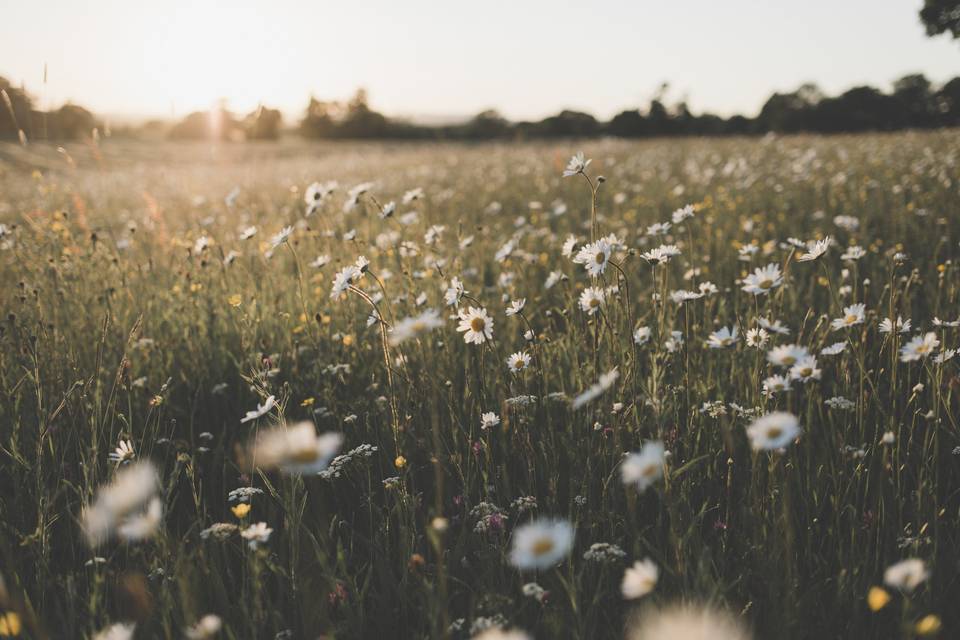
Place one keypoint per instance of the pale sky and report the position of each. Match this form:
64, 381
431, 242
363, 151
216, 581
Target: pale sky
527, 58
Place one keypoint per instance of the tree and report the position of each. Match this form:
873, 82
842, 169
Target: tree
263, 124
941, 16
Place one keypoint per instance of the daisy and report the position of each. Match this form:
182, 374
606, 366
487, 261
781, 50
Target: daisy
852, 254
415, 326
594, 257
834, 349
320, 261
887, 325
207, 627
123, 453
605, 382
516, 306
541, 544
919, 347
722, 338
642, 335
476, 325
906, 575
411, 195
256, 534
294, 449
489, 420
261, 410
776, 384
757, 338
576, 165
354, 195
518, 361
388, 210
343, 279
640, 579
805, 369
644, 468
773, 431
662, 254
591, 300
128, 507
763, 279
280, 237
773, 326
454, 292
852, 315
117, 631
786, 355
248, 233
569, 246
937, 322
498, 633
658, 229
815, 250
682, 214
681, 296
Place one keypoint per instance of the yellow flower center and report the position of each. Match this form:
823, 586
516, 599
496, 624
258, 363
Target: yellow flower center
542, 546
766, 284
851, 319
478, 324
774, 433
600, 258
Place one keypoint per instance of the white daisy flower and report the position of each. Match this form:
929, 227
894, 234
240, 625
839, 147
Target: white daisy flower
541, 544
642, 469
852, 315
476, 325
576, 165
763, 280
640, 579
919, 347
518, 361
773, 431
591, 300
256, 534
594, 257
906, 575
722, 338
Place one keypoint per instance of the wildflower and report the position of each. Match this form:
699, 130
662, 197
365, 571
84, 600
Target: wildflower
518, 361
388, 210
644, 468
10, 625
757, 338
454, 292
805, 369
116, 631
594, 257
834, 349
241, 510
640, 579
681, 296
576, 165
919, 347
906, 575
354, 195
248, 233
541, 544
605, 382
516, 306
498, 633
280, 237
852, 315
815, 250
569, 246
489, 420
256, 534
877, 598
476, 325
888, 438
261, 410
683, 213
773, 326
642, 335
206, 627
127, 508
414, 327
294, 449
123, 453
776, 384
604, 553
763, 280
400, 462
773, 431
928, 625
787, 355
411, 195
535, 591
662, 254
722, 338
591, 299
658, 229
344, 279
686, 622
852, 254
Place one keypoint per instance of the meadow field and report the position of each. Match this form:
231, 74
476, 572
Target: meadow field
294, 390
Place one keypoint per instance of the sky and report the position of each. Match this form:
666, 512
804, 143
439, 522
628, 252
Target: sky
445, 59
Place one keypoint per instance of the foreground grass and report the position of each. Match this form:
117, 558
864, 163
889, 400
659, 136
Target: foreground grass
123, 325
